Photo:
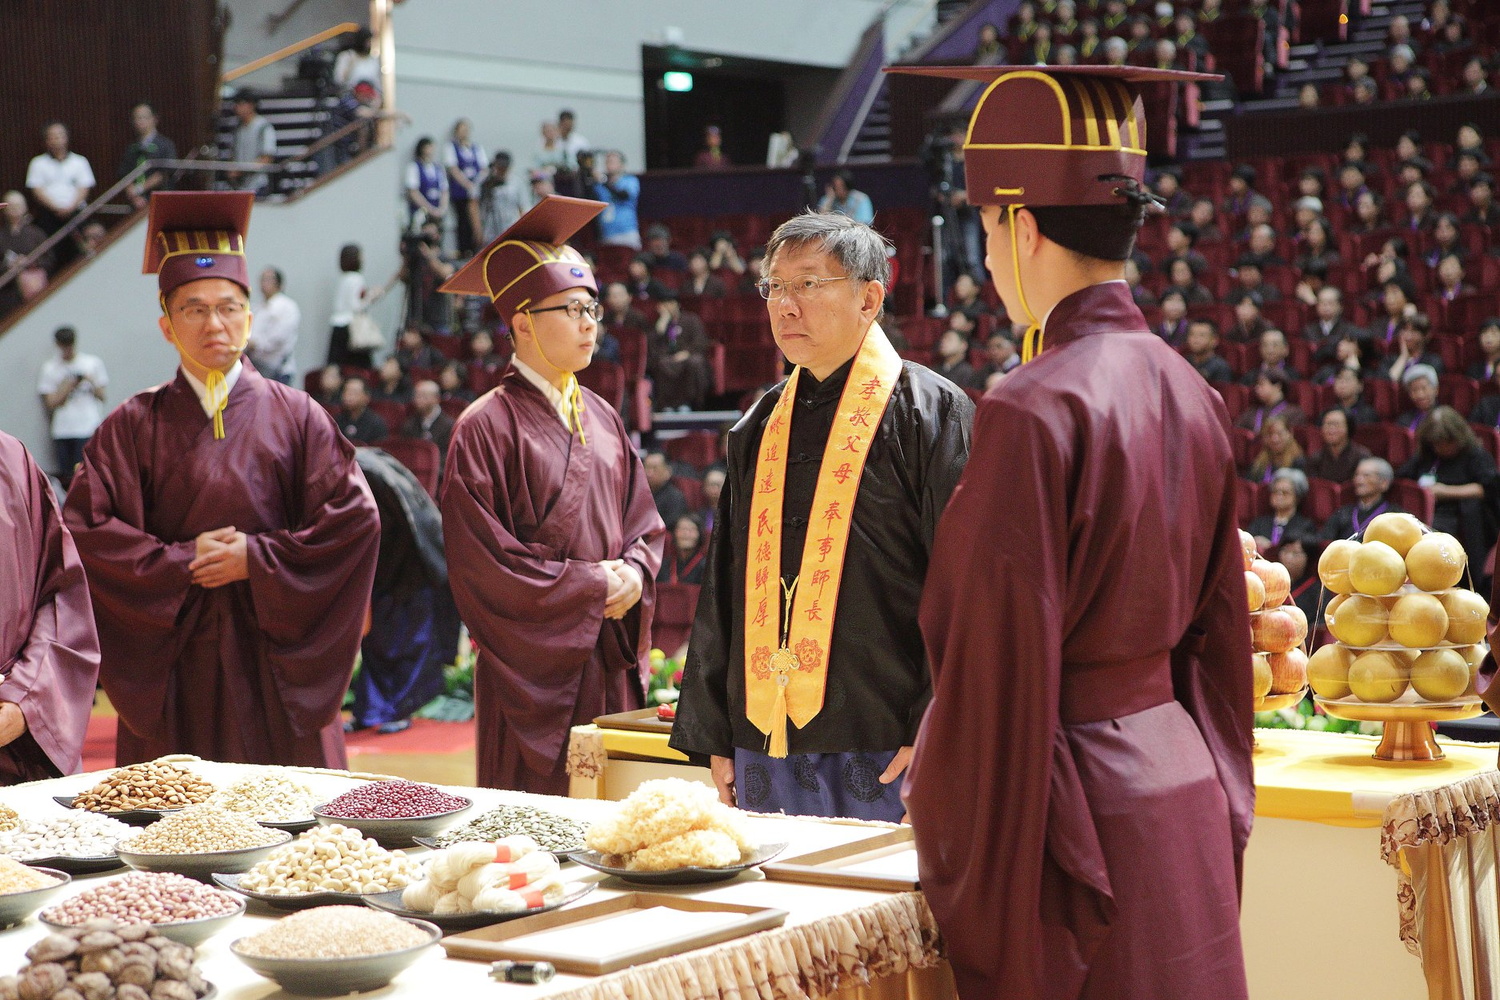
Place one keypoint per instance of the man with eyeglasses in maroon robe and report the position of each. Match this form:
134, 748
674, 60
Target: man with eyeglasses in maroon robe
552, 537
228, 534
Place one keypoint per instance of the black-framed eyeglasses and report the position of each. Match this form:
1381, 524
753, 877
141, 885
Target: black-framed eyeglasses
576, 309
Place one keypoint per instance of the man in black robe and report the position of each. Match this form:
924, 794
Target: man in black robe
826, 284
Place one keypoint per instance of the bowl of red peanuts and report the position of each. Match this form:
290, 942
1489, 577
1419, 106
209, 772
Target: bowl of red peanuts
396, 811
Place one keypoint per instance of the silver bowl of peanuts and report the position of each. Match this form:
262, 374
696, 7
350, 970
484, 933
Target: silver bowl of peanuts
191, 932
25, 889
335, 950
202, 864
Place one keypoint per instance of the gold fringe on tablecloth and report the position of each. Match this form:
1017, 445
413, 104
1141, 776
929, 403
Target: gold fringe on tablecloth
1438, 817
804, 962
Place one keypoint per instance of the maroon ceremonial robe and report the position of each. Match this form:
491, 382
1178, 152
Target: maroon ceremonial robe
528, 513
49, 652
1082, 790
254, 671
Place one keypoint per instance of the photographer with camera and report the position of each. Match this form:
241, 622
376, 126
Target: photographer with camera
424, 266
72, 388
963, 239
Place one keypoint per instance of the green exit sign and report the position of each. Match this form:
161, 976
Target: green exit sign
678, 83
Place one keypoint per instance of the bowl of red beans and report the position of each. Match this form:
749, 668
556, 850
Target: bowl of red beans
394, 812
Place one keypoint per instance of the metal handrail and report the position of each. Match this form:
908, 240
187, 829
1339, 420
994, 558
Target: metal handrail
290, 50
207, 166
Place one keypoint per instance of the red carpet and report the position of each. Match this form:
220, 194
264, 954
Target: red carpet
424, 737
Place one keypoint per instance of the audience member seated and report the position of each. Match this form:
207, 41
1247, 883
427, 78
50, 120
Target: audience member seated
1249, 325
1250, 281
482, 356
700, 280
413, 350
1270, 396
966, 298
1420, 383
1482, 208
1372, 478
330, 391
1205, 218
1138, 292
1340, 454
1446, 241
1396, 302
619, 313
1274, 352
1487, 410
1278, 450
1461, 474
683, 560
670, 502
1173, 325
1298, 552
392, 386
1450, 279
427, 421
1316, 248
659, 253
1181, 238
1001, 358
713, 486
360, 424
1349, 396
639, 282
1288, 487
453, 382
1182, 279
1329, 326
1202, 351
723, 255
677, 358
952, 359
1410, 349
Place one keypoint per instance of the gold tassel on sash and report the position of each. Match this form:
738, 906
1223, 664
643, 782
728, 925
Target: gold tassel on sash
789, 626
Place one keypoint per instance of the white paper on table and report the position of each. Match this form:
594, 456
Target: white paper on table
624, 932
901, 863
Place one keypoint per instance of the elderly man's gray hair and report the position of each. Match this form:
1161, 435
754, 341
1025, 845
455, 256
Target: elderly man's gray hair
1296, 477
1381, 468
859, 249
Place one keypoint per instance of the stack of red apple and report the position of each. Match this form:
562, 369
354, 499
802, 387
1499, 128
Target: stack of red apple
1406, 633
1277, 630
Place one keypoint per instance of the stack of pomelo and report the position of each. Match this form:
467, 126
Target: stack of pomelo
1277, 626
1400, 620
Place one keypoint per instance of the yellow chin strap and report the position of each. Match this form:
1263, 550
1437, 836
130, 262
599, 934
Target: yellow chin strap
571, 391
213, 379
1031, 344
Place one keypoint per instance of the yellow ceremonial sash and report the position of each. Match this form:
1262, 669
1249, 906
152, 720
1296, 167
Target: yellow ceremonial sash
789, 633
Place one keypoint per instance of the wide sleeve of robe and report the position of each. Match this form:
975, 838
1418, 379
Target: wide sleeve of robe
310, 582
135, 579
49, 651
1000, 599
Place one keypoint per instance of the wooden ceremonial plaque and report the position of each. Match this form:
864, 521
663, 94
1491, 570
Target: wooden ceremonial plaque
613, 934
885, 863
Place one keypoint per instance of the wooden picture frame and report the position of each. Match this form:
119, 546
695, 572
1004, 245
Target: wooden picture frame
830, 866
589, 957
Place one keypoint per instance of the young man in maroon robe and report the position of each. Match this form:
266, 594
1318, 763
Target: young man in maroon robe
552, 537
229, 536
1082, 790
49, 652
